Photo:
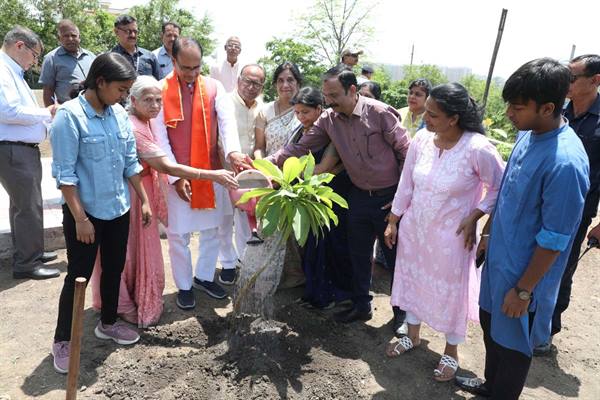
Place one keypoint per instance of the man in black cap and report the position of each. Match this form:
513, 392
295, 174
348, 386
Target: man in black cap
366, 72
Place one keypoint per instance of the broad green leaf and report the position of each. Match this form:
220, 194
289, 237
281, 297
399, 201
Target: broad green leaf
338, 199
291, 169
269, 169
310, 166
271, 220
301, 224
253, 193
332, 215
325, 199
264, 203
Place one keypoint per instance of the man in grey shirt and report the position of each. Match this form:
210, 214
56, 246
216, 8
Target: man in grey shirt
66, 66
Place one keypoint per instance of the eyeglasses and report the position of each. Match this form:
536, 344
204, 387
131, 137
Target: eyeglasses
129, 32
574, 77
233, 46
35, 54
251, 83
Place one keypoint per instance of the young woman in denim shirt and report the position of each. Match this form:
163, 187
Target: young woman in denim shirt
94, 158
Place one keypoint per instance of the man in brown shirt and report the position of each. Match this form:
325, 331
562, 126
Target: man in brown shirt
372, 145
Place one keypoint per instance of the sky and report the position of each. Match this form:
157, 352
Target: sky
458, 33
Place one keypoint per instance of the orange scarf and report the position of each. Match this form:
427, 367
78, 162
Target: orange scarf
203, 194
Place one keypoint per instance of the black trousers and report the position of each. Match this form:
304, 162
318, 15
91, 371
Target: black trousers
564, 293
111, 236
505, 369
366, 221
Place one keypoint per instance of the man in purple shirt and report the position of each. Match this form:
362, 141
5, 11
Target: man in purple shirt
372, 145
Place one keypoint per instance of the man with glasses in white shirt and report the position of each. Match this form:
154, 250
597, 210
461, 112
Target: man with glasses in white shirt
228, 71
247, 104
22, 128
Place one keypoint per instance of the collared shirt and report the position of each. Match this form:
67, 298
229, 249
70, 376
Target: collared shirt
64, 71
587, 127
144, 61
246, 121
371, 143
407, 121
540, 204
96, 153
21, 118
165, 63
226, 74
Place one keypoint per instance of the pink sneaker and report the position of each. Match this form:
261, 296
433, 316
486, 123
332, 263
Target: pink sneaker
119, 332
60, 351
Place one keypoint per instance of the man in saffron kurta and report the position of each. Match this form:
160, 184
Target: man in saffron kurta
193, 108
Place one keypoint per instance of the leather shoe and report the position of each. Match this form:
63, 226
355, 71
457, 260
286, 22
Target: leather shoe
38, 273
48, 256
472, 385
352, 315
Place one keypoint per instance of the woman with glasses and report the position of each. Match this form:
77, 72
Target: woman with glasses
143, 278
275, 126
412, 115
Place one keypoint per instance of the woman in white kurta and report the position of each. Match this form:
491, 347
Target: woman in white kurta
440, 198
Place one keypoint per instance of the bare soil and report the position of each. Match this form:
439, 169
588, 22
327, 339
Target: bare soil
300, 354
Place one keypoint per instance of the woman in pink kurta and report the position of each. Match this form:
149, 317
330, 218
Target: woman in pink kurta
143, 278
450, 179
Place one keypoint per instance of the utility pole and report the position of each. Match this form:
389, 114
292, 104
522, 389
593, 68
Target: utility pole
494, 54
572, 52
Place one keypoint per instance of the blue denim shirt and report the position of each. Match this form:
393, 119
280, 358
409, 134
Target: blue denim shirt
97, 154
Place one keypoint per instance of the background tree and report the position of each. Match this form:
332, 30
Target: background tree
333, 25
13, 12
151, 16
303, 55
395, 93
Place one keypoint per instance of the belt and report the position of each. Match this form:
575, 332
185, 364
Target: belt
380, 192
32, 145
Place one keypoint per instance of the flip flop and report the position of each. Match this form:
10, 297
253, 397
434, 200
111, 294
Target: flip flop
446, 362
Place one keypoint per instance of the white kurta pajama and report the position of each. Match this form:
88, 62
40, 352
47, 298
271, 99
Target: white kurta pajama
183, 220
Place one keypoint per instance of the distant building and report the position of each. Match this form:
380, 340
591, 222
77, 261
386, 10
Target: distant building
397, 72
106, 5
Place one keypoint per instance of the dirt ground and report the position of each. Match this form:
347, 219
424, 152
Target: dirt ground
302, 354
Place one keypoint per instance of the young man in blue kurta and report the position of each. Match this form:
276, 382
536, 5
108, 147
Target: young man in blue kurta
536, 217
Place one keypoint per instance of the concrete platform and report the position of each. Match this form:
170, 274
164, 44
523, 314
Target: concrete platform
53, 235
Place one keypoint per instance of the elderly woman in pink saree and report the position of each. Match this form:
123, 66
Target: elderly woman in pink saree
143, 278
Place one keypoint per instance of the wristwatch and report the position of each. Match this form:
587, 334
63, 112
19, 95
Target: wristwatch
523, 294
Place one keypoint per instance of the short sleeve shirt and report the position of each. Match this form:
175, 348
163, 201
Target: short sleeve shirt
64, 71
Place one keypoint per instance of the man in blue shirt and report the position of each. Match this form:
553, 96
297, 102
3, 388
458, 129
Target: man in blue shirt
532, 230
66, 67
583, 113
170, 32
144, 62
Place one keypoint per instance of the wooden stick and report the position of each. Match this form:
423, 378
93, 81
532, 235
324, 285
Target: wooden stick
76, 333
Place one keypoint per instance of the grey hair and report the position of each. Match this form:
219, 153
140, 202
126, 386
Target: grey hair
141, 84
25, 35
